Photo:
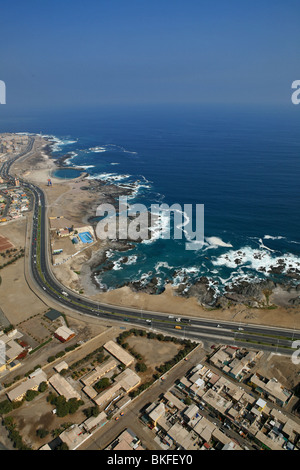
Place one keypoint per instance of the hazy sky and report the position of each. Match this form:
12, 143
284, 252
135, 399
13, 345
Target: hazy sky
136, 51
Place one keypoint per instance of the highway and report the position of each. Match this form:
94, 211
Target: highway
261, 337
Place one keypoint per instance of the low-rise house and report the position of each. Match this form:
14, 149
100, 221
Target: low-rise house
64, 334
95, 422
32, 383
119, 353
271, 389
124, 383
98, 372
157, 413
63, 387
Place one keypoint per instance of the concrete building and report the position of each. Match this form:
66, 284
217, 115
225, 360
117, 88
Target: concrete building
128, 380
62, 387
127, 440
124, 383
157, 413
64, 334
104, 397
173, 401
191, 413
11, 351
119, 353
74, 437
61, 366
95, 422
98, 372
181, 437
32, 383
271, 388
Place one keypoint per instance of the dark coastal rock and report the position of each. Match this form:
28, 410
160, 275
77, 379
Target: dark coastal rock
152, 287
182, 289
252, 294
277, 269
295, 302
203, 291
293, 273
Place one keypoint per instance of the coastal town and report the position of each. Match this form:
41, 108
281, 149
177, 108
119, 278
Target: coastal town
76, 375
95, 392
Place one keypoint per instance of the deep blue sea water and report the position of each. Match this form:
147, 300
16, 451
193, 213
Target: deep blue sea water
243, 164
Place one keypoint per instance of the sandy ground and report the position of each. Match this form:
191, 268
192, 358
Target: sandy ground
66, 198
38, 415
168, 302
282, 368
15, 231
18, 301
154, 352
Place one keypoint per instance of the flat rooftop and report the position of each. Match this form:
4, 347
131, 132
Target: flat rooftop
118, 352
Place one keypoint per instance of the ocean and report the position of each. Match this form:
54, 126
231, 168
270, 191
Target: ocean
243, 164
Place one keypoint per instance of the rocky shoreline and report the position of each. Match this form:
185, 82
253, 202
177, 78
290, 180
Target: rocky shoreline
252, 293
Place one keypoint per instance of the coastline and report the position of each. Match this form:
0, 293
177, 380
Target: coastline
77, 199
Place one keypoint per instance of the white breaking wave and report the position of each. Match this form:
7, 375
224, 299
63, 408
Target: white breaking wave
162, 264
118, 265
109, 177
110, 147
215, 242
136, 186
97, 149
183, 273
258, 260
270, 237
69, 160
57, 143
85, 167
264, 246
159, 228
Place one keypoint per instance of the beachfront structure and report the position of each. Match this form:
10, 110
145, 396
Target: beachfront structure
65, 227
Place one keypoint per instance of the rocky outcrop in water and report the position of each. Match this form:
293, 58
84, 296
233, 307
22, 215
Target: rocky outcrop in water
152, 287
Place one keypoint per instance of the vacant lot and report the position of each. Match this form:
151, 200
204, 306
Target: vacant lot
282, 368
39, 328
38, 415
5, 244
18, 302
15, 231
154, 352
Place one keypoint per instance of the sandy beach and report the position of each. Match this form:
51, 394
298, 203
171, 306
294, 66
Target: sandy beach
77, 200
